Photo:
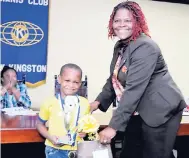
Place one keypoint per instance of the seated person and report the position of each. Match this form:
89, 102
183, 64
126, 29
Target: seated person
53, 110
13, 94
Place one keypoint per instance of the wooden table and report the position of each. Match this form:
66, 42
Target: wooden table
183, 130
21, 129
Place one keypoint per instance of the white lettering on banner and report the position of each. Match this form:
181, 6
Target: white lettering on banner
29, 68
12, 1
38, 2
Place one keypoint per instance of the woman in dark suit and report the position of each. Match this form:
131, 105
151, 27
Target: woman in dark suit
141, 83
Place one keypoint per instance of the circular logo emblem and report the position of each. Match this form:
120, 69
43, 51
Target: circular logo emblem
21, 33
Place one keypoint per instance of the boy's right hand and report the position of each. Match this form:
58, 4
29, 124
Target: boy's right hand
54, 140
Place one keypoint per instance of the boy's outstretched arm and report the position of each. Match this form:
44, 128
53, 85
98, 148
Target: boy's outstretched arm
42, 129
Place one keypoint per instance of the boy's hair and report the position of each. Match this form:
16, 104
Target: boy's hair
5, 69
71, 66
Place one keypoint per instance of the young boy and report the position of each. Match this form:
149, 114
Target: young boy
53, 111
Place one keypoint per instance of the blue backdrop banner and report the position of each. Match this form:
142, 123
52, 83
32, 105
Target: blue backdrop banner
24, 37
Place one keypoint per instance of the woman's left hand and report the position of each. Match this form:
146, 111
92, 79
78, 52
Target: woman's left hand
106, 135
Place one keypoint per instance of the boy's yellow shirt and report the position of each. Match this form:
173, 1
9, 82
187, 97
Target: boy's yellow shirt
52, 112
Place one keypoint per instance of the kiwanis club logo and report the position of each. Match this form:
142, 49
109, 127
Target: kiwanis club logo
21, 33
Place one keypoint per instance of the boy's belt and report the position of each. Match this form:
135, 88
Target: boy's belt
72, 154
